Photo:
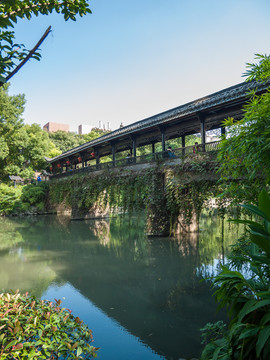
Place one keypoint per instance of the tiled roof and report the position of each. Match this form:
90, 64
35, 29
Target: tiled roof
229, 94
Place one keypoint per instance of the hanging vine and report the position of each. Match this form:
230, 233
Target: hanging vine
164, 193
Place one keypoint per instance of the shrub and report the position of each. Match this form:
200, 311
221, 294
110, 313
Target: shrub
245, 293
9, 198
34, 194
39, 329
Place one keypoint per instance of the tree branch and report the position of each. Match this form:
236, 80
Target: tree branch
31, 53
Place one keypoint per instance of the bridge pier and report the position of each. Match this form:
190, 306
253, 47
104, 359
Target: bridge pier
183, 226
164, 220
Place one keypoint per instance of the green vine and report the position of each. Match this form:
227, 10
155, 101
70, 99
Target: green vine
164, 193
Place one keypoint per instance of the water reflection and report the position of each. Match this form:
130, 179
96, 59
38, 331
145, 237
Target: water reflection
149, 288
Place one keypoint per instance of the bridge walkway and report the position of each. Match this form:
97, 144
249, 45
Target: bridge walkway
179, 153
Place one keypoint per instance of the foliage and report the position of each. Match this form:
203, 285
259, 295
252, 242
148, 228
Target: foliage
245, 153
67, 140
259, 71
245, 293
12, 10
212, 332
23, 147
162, 194
22, 198
9, 198
126, 192
34, 195
187, 190
39, 329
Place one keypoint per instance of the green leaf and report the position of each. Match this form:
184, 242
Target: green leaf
250, 332
264, 203
246, 222
245, 310
262, 339
79, 351
261, 241
251, 306
11, 344
265, 319
255, 210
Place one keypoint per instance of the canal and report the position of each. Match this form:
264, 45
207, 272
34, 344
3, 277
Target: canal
142, 297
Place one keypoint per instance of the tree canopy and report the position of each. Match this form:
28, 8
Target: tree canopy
11, 53
22, 147
65, 141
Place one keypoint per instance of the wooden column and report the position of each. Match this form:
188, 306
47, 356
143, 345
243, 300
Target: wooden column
134, 147
96, 155
82, 156
163, 143
203, 136
183, 144
153, 148
113, 153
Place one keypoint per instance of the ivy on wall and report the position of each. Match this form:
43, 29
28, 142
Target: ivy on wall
128, 192
165, 193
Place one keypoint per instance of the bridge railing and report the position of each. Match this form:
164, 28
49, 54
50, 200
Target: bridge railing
148, 158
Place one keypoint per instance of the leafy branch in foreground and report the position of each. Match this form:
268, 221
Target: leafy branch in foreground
11, 10
246, 294
245, 152
40, 329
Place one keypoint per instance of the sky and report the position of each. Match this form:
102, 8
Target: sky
129, 60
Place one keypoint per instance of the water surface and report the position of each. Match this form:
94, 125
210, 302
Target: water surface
142, 297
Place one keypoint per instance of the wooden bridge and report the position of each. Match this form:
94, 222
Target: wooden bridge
199, 116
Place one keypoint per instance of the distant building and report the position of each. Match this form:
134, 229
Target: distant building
104, 127
52, 127
84, 129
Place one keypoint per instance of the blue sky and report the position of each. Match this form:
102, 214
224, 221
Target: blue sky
132, 59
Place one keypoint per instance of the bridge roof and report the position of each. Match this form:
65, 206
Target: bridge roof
236, 94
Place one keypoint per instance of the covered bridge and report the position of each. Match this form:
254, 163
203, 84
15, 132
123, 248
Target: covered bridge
198, 116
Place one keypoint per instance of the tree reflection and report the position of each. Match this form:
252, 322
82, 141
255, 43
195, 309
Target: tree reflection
149, 285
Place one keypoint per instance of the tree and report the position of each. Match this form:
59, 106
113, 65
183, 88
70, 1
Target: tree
64, 140
245, 154
23, 147
67, 140
11, 54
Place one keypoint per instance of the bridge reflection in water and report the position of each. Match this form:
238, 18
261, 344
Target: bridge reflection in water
120, 282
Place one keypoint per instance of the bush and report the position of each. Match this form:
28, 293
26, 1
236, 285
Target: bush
34, 194
245, 294
9, 198
39, 329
